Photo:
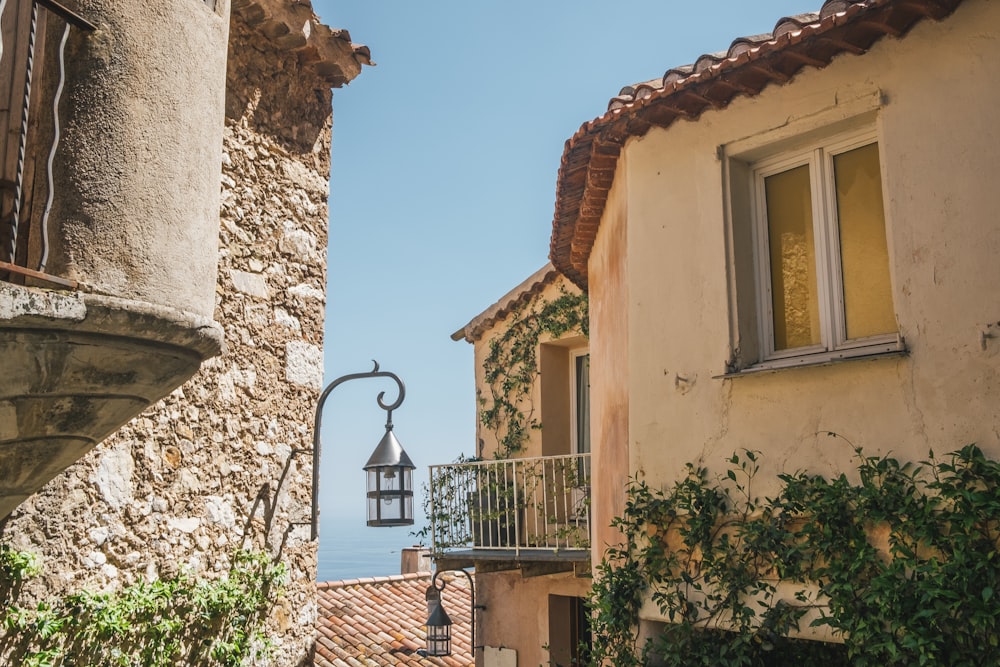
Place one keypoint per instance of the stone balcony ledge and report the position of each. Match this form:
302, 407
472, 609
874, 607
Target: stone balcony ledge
33, 308
76, 367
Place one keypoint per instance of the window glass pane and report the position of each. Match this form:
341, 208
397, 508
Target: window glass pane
863, 250
794, 295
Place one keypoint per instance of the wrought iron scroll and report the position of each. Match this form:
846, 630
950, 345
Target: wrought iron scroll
50, 183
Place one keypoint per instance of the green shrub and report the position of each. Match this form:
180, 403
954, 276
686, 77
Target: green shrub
903, 567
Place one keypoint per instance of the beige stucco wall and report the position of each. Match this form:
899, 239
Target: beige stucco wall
517, 611
517, 607
543, 403
139, 159
665, 314
609, 367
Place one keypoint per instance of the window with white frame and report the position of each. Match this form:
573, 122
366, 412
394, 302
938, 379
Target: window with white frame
820, 252
565, 397
580, 403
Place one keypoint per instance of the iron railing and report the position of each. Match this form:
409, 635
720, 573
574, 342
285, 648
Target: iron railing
22, 27
530, 504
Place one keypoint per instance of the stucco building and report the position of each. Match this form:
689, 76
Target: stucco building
792, 237
520, 514
174, 116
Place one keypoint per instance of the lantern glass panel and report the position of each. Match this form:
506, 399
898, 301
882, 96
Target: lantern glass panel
390, 496
438, 640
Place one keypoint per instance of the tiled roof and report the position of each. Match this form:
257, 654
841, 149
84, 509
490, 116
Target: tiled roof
292, 26
518, 296
380, 621
712, 82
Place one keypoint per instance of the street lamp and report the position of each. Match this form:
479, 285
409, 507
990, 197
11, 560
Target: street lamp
438, 642
438, 624
389, 470
390, 481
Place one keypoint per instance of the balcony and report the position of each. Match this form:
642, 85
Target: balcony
26, 92
108, 220
531, 514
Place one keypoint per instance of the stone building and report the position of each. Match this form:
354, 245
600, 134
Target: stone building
222, 462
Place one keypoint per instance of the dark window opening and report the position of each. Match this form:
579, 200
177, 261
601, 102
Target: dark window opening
569, 631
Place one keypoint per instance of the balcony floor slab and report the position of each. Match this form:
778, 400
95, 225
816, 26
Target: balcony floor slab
511, 559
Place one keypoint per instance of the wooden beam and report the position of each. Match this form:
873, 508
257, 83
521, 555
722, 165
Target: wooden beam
700, 98
846, 46
738, 86
935, 9
884, 28
806, 59
769, 72
38, 275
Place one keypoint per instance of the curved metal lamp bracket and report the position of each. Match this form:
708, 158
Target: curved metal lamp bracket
473, 607
317, 424
374, 373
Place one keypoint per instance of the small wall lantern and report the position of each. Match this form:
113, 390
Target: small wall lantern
390, 470
438, 623
390, 482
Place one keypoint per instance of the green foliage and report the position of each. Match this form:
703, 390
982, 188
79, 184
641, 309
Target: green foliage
511, 366
902, 567
510, 371
17, 566
447, 490
178, 620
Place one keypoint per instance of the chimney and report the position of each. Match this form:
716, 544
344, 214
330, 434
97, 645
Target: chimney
415, 559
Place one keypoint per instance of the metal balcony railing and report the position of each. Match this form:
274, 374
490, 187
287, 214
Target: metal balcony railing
531, 504
22, 27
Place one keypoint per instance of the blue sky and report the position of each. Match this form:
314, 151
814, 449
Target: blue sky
445, 158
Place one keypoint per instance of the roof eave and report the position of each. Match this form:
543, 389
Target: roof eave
537, 281
586, 171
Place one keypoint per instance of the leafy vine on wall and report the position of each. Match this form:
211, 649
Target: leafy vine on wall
901, 568
178, 620
511, 366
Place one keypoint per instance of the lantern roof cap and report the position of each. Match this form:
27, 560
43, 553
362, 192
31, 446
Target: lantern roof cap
439, 617
389, 453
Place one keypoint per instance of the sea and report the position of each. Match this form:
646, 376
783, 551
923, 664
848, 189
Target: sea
349, 549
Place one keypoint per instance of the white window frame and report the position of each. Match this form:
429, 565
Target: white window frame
574, 437
834, 343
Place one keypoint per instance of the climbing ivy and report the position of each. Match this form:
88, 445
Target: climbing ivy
505, 407
902, 567
163, 623
511, 366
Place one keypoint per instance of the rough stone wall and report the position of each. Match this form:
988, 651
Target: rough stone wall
223, 462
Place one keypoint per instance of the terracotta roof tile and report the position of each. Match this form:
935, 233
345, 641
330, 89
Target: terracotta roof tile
379, 621
748, 66
518, 296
